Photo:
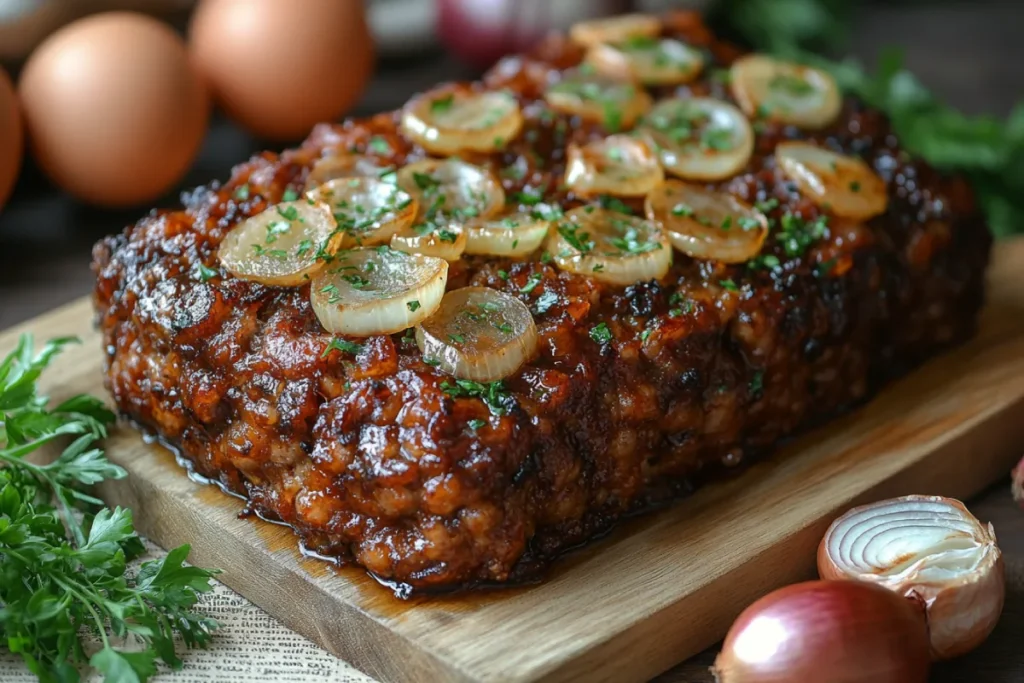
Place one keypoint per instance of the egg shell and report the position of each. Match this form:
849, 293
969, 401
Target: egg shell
114, 110
279, 68
11, 137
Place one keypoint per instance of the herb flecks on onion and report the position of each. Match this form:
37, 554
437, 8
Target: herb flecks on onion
478, 334
699, 138
452, 119
346, 166
787, 92
613, 103
842, 185
515, 234
615, 29
929, 547
368, 210
610, 246
618, 165
651, 61
449, 193
707, 224
371, 291
283, 245
827, 632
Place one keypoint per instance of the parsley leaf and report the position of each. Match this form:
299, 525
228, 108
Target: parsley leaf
343, 345
494, 394
62, 571
600, 333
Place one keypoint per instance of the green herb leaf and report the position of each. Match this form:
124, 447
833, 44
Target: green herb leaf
600, 333
343, 345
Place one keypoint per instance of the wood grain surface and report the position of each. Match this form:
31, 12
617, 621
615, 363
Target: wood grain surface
660, 588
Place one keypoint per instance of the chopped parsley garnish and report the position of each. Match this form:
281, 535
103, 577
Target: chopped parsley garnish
682, 209
304, 247
729, 285
413, 305
764, 262
630, 242
289, 195
288, 212
503, 275
529, 197
726, 223
273, 253
600, 333
476, 424
343, 345
442, 104
457, 338
424, 181
432, 362
717, 139
796, 234
791, 85
580, 241
242, 192
545, 301
748, 223
756, 385
614, 204
203, 273
532, 282
767, 205
357, 281
503, 327
378, 145
276, 229
855, 186
493, 394
547, 212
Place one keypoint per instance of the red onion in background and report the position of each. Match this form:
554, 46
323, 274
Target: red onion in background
481, 31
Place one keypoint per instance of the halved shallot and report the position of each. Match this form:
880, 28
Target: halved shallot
615, 29
707, 224
651, 61
787, 92
478, 334
515, 234
843, 185
451, 119
368, 210
930, 548
610, 246
619, 165
284, 245
370, 291
699, 138
614, 103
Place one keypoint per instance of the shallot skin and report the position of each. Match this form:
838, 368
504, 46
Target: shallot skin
827, 632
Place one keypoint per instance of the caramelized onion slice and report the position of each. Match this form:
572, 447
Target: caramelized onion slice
610, 246
785, 91
345, 166
451, 189
515, 234
479, 334
615, 29
699, 138
619, 165
651, 61
613, 103
451, 119
706, 224
442, 240
840, 184
283, 245
368, 210
369, 291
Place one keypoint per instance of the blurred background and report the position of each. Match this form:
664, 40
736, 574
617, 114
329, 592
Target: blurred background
107, 115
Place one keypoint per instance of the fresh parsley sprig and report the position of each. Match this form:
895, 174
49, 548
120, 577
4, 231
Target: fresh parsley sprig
63, 570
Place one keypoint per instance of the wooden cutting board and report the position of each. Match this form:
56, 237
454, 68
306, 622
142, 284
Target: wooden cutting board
657, 590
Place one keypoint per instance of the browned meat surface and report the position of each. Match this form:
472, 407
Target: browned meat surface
371, 461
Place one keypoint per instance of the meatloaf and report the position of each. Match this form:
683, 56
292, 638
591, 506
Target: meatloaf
635, 395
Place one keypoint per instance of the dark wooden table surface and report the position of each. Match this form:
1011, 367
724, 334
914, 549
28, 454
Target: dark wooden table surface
970, 52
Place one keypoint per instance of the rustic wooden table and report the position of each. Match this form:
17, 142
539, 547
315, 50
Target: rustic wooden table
971, 52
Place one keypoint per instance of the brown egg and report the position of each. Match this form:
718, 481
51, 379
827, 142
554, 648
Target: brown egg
114, 111
10, 137
278, 68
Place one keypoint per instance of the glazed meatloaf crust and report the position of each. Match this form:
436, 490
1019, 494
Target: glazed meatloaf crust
635, 395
